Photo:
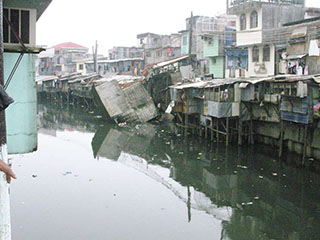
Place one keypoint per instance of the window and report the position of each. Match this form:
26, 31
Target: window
255, 54
148, 54
20, 20
243, 22
254, 19
159, 53
184, 40
266, 53
80, 66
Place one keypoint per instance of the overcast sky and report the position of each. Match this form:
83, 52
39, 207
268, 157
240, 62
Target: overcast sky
117, 22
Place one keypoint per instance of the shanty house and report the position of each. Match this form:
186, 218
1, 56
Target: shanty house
298, 97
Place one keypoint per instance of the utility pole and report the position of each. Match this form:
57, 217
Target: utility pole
227, 6
95, 57
190, 38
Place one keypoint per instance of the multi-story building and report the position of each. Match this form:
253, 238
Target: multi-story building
158, 48
63, 58
256, 23
201, 25
302, 53
125, 52
204, 30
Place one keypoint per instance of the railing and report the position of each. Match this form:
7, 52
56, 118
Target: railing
233, 3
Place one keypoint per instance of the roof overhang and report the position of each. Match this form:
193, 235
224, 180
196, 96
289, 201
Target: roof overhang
39, 5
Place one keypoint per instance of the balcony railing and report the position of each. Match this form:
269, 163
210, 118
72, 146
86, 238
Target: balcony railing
233, 3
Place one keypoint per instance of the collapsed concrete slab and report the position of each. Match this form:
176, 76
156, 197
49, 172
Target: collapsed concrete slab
126, 102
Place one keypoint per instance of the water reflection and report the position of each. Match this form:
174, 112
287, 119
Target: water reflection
246, 189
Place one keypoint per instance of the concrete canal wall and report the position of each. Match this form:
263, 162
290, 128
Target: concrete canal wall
294, 137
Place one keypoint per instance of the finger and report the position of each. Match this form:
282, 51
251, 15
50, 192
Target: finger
8, 178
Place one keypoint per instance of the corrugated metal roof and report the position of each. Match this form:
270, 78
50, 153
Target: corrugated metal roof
168, 62
116, 60
295, 56
206, 84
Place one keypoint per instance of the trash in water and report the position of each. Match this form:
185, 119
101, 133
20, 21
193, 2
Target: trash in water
200, 153
76, 175
275, 174
243, 167
90, 179
34, 176
261, 177
246, 204
180, 153
168, 143
68, 172
235, 172
256, 198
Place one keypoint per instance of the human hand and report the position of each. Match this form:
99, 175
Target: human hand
7, 170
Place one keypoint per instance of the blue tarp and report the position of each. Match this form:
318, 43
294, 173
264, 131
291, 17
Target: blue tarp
295, 110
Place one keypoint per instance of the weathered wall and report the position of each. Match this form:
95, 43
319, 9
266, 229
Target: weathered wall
261, 68
274, 15
269, 133
216, 67
313, 64
21, 117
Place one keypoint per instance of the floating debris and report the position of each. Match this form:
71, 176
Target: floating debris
247, 204
275, 174
34, 176
256, 198
243, 167
261, 177
180, 153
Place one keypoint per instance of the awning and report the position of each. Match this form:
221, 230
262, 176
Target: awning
243, 85
295, 56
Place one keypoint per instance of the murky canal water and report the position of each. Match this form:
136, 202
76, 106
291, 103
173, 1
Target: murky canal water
90, 180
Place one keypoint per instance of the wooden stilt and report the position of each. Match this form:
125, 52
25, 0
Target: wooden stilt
227, 132
217, 128
211, 133
281, 139
206, 132
240, 133
305, 144
186, 124
251, 141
